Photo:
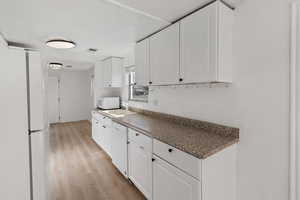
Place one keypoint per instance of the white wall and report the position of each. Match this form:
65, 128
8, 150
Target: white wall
75, 95
257, 102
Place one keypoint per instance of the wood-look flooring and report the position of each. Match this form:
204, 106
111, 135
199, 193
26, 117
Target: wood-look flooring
80, 170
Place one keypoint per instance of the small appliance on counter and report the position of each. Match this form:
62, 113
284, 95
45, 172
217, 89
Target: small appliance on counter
107, 103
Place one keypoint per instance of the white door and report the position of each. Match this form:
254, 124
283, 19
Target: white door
140, 168
164, 56
198, 38
142, 70
53, 99
171, 183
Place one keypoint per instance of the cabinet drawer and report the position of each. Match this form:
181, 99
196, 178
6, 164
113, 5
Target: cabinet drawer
140, 139
118, 127
179, 159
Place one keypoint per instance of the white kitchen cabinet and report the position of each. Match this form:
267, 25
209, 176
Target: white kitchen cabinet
164, 56
196, 179
94, 128
101, 131
112, 72
119, 147
206, 45
171, 183
142, 68
140, 165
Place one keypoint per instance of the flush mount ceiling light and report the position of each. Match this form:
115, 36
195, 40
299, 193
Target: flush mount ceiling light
55, 66
60, 44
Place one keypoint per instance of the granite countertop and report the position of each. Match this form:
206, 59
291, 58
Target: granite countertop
201, 140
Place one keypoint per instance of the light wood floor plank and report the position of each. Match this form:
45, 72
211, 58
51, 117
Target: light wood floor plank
80, 170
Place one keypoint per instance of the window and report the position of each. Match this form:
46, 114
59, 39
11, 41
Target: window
137, 92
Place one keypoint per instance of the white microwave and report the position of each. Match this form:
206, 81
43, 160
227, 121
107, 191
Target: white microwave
107, 103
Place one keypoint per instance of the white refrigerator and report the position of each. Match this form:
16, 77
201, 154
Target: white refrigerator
24, 130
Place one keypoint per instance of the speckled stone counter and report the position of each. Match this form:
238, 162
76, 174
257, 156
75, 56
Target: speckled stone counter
198, 138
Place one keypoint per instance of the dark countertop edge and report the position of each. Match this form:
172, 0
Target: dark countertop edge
199, 156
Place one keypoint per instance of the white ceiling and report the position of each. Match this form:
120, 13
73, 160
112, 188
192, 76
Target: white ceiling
112, 26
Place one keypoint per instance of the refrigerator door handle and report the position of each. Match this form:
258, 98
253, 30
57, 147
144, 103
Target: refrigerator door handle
36, 131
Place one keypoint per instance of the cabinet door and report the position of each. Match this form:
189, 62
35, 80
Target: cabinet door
107, 73
164, 56
142, 70
171, 183
198, 41
140, 168
106, 139
99, 134
94, 129
119, 149
117, 71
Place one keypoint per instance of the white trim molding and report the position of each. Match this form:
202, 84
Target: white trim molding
294, 101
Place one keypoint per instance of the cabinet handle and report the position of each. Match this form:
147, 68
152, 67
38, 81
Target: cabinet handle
137, 134
150, 82
104, 126
153, 159
181, 79
135, 83
170, 150
128, 142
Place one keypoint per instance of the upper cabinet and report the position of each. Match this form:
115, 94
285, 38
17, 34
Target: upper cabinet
197, 49
142, 69
206, 45
164, 56
112, 72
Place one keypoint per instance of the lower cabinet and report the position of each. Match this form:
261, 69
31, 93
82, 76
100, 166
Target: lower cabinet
171, 183
140, 168
105, 133
119, 147
94, 128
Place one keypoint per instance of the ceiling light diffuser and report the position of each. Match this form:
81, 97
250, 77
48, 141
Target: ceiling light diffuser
60, 44
55, 66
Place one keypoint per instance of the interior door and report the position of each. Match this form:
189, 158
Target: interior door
53, 100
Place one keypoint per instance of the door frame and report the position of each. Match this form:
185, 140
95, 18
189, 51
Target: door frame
294, 167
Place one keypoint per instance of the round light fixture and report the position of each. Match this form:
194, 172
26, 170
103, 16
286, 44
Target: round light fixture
60, 44
55, 66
